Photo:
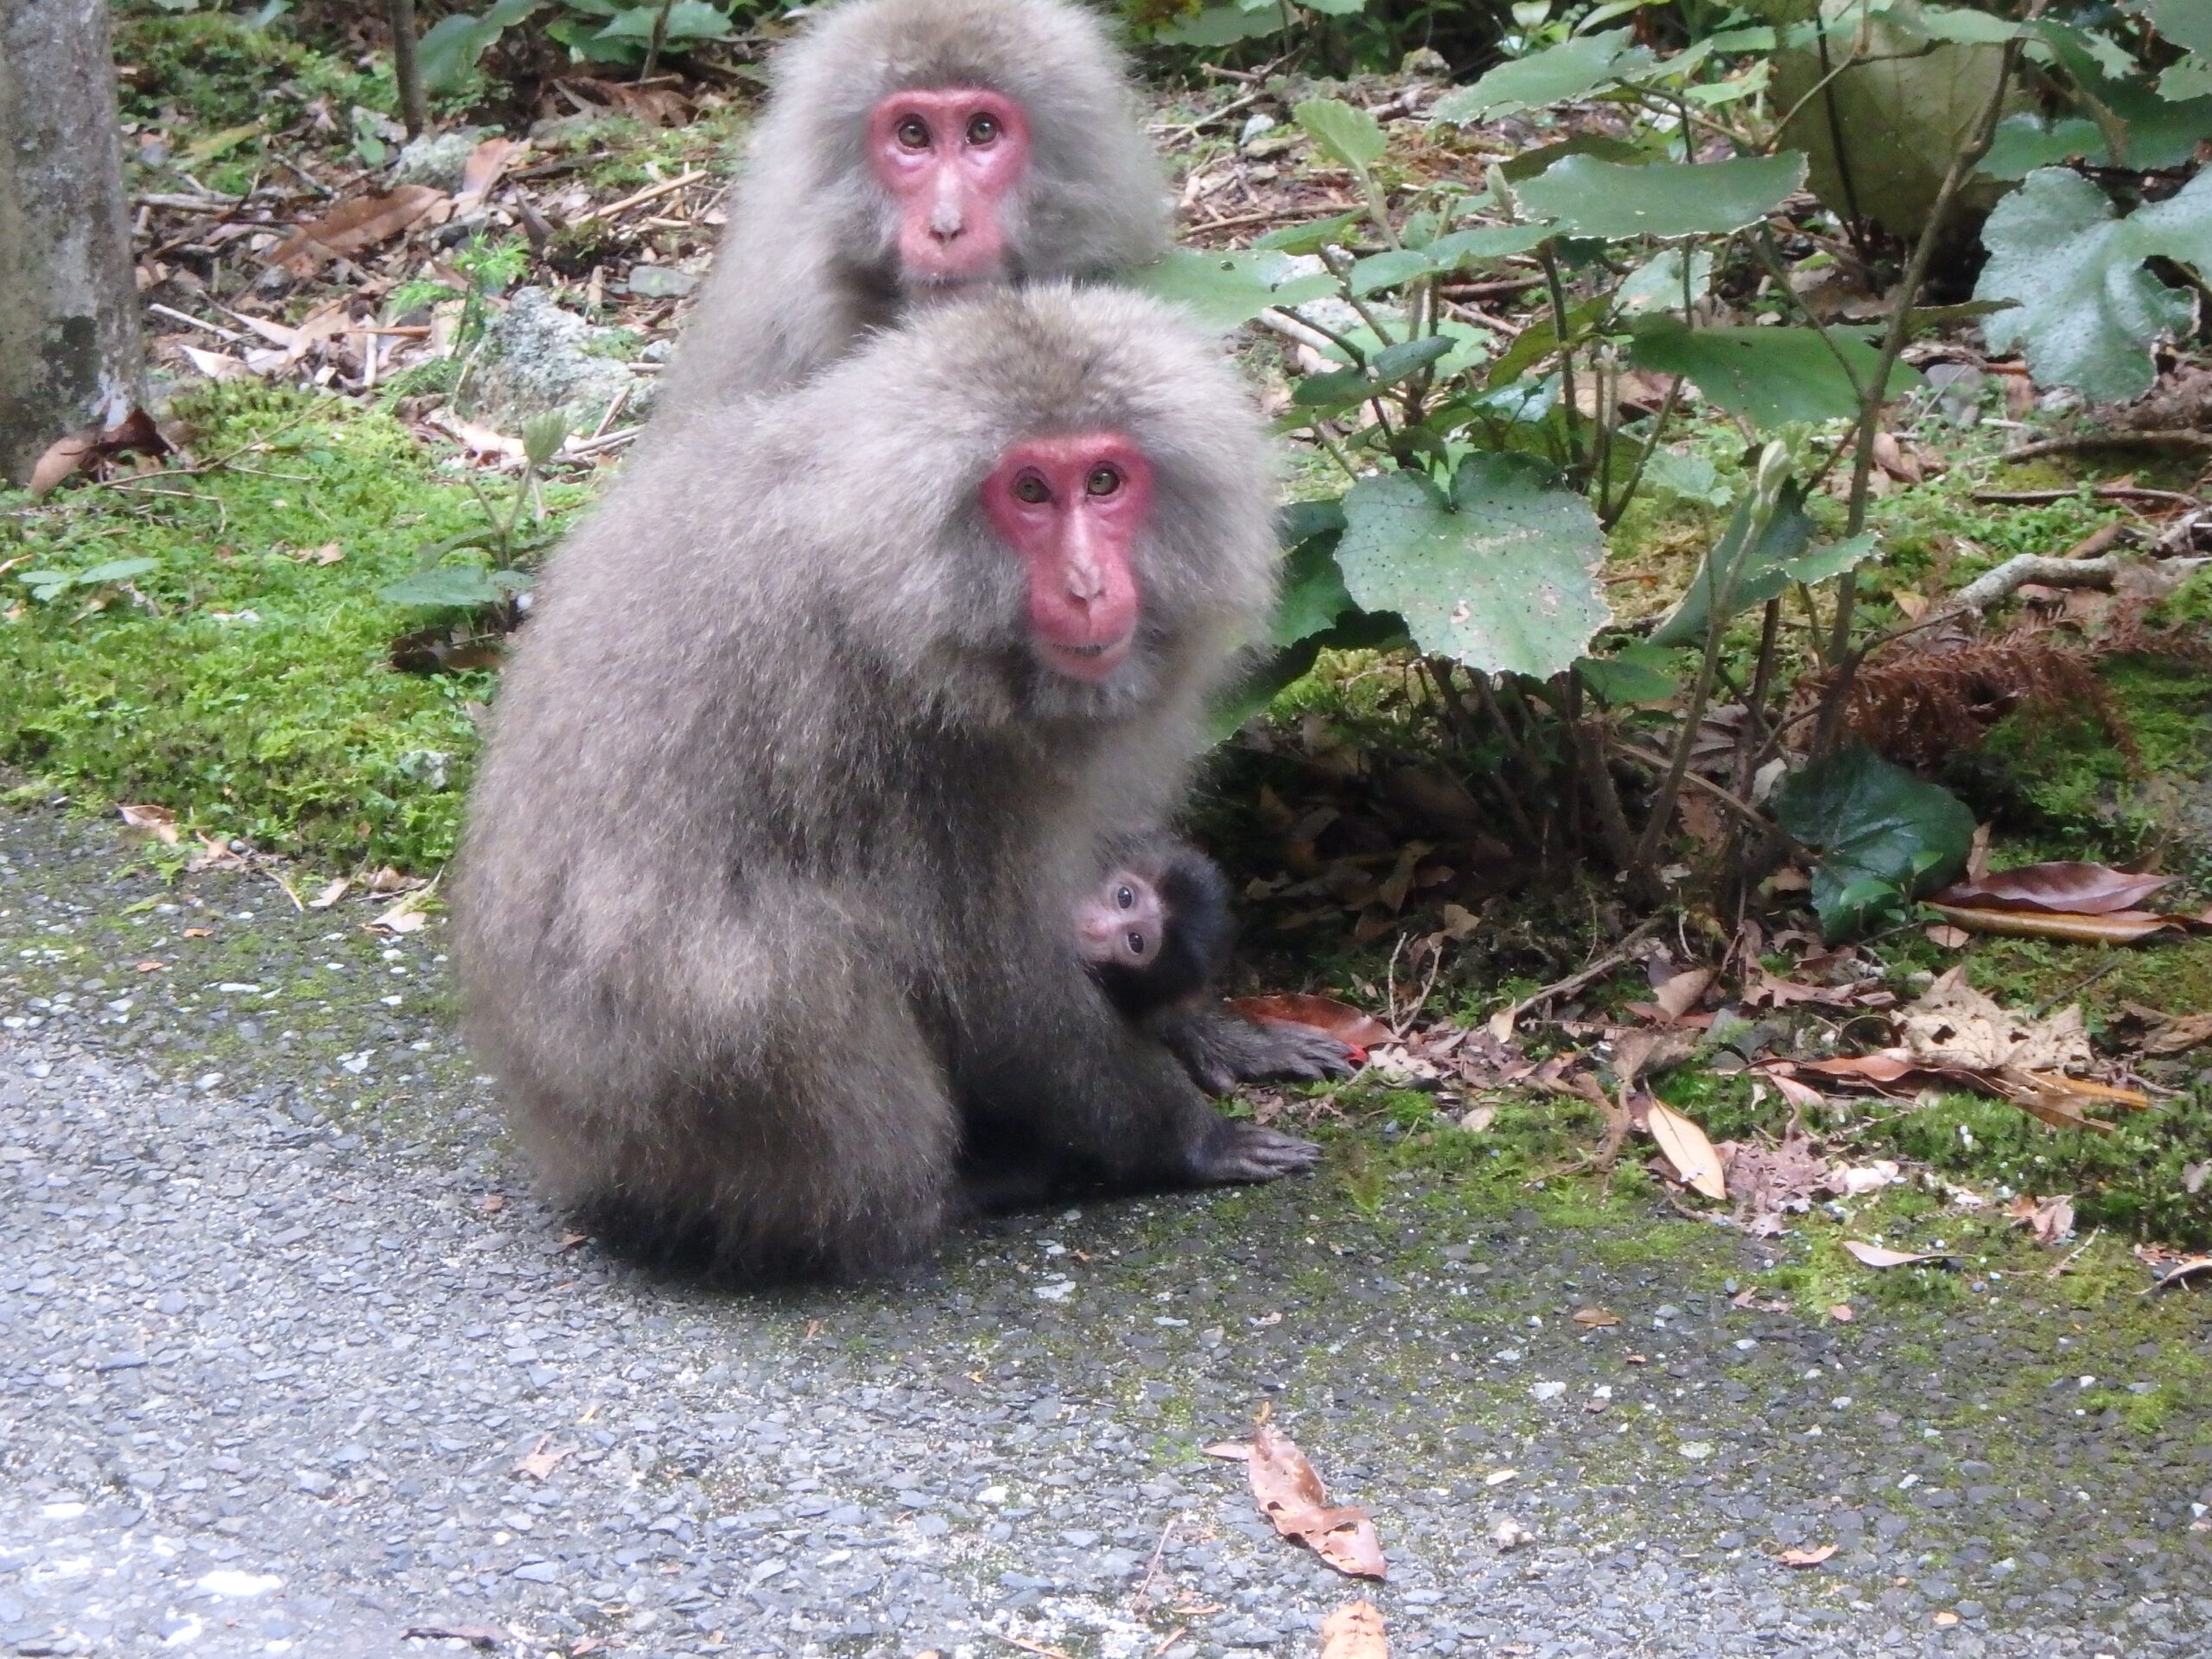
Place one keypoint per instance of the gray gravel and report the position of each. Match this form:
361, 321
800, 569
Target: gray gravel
281, 1327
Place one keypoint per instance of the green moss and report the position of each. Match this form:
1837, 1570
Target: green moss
236, 682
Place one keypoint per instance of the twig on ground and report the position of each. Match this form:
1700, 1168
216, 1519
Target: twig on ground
2073, 1254
2084, 440
2102, 491
1618, 956
638, 198
1994, 586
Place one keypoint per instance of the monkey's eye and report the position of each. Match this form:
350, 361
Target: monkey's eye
1136, 942
983, 129
1125, 898
914, 133
1104, 480
1032, 489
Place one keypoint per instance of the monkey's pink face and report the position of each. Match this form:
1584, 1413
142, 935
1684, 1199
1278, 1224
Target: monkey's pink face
1073, 507
951, 157
1120, 923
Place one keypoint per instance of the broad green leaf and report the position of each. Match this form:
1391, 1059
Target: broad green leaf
1530, 162
457, 585
1637, 673
1352, 136
1386, 368
1568, 70
1657, 285
1967, 27
1313, 593
1309, 238
1500, 577
2025, 142
2158, 132
2088, 311
1879, 826
450, 47
1769, 376
1692, 477
1221, 290
687, 20
1357, 631
1464, 248
1225, 26
1398, 266
1588, 197
1335, 7
114, 570
2187, 23
2189, 78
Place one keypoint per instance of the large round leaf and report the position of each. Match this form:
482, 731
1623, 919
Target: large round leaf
1879, 826
1594, 198
1769, 376
1501, 576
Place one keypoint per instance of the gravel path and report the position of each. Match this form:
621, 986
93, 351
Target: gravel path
291, 1362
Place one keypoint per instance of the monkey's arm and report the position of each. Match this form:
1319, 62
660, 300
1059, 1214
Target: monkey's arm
1221, 1050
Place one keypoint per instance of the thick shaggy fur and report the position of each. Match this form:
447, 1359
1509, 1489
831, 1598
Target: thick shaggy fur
808, 261
765, 901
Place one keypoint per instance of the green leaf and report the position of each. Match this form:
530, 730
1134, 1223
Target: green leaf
1349, 136
1657, 285
1309, 238
1690, 476
1225, 26
1386, 368
2025, 142
1739, 576
1221, 290
1879, 827
1357, 631
687, 20
1769, 376
2189, 78
1501, 577
1637, 673
2187, 23
1388, 270
1313, 591
2158, 132
1464, 248
1588, 197
465, 586
1530, 162
1552, 76
114, 570
1967, 27
1335, 7
450, 47
2088, 311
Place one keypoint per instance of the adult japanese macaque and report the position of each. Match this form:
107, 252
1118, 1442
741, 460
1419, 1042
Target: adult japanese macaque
1158, 933
803, 766
913, 149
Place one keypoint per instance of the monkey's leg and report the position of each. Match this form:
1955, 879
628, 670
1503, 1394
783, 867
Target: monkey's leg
1221, 1050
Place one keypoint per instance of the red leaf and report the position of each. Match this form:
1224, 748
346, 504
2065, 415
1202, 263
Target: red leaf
1340, 1019
2064, 886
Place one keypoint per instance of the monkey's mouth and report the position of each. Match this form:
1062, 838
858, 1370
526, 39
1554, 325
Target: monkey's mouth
1091, 662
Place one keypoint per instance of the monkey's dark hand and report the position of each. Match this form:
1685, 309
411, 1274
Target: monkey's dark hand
1239, 1151
1221, 1050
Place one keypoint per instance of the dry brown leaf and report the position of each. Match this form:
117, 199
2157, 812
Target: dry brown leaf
63, 457
2117, 927
1898, 459
1340, 1019
1356, 1630
2049, 1219
1642, 1053
158, 822
1696, 1164
1881, 1256
1230, 1451
1681, 992
482, 169
1803, 1557
352, 226
2063, 886
1841, 1314
149, 966
2179, 1035
542, 1459
214, 364
1951, 938
1290, 1495
331, 891
1953, 1025
405, 917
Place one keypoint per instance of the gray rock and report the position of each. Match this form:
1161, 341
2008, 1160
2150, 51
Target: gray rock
538, 358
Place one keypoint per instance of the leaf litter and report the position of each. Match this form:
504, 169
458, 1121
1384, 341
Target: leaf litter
1289, 1494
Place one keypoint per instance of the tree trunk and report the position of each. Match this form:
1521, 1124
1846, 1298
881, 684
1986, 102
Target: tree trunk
69, 348
407, 68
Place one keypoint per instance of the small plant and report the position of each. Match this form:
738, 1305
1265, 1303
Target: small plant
104, 582
439, 584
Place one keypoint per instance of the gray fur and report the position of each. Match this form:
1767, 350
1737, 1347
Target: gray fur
764, 895
808, 262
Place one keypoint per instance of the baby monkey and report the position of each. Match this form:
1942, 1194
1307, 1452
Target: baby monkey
1157, 935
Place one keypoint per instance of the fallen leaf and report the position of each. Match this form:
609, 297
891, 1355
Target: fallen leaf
62, 457
1640, 1053
1230, 1451
1290, 1495
482, 169
1952, 1024
214, 364
1355, 1631
149, 966
1510, 1534
1841, 1314
542, 1459
352, 226
2119, 927
405, 917
1897, 458
2049, 1219
82, 452
1951, 938
2060, 885
199, 932
1596, 1319
1803, 1557
158, 822
214, 854
1695, 1162
331, 894
1680, 993
1340, 1019
2181, 1271
2179, 1035
1881, 1256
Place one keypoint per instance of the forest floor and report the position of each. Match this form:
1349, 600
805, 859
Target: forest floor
292, 1362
